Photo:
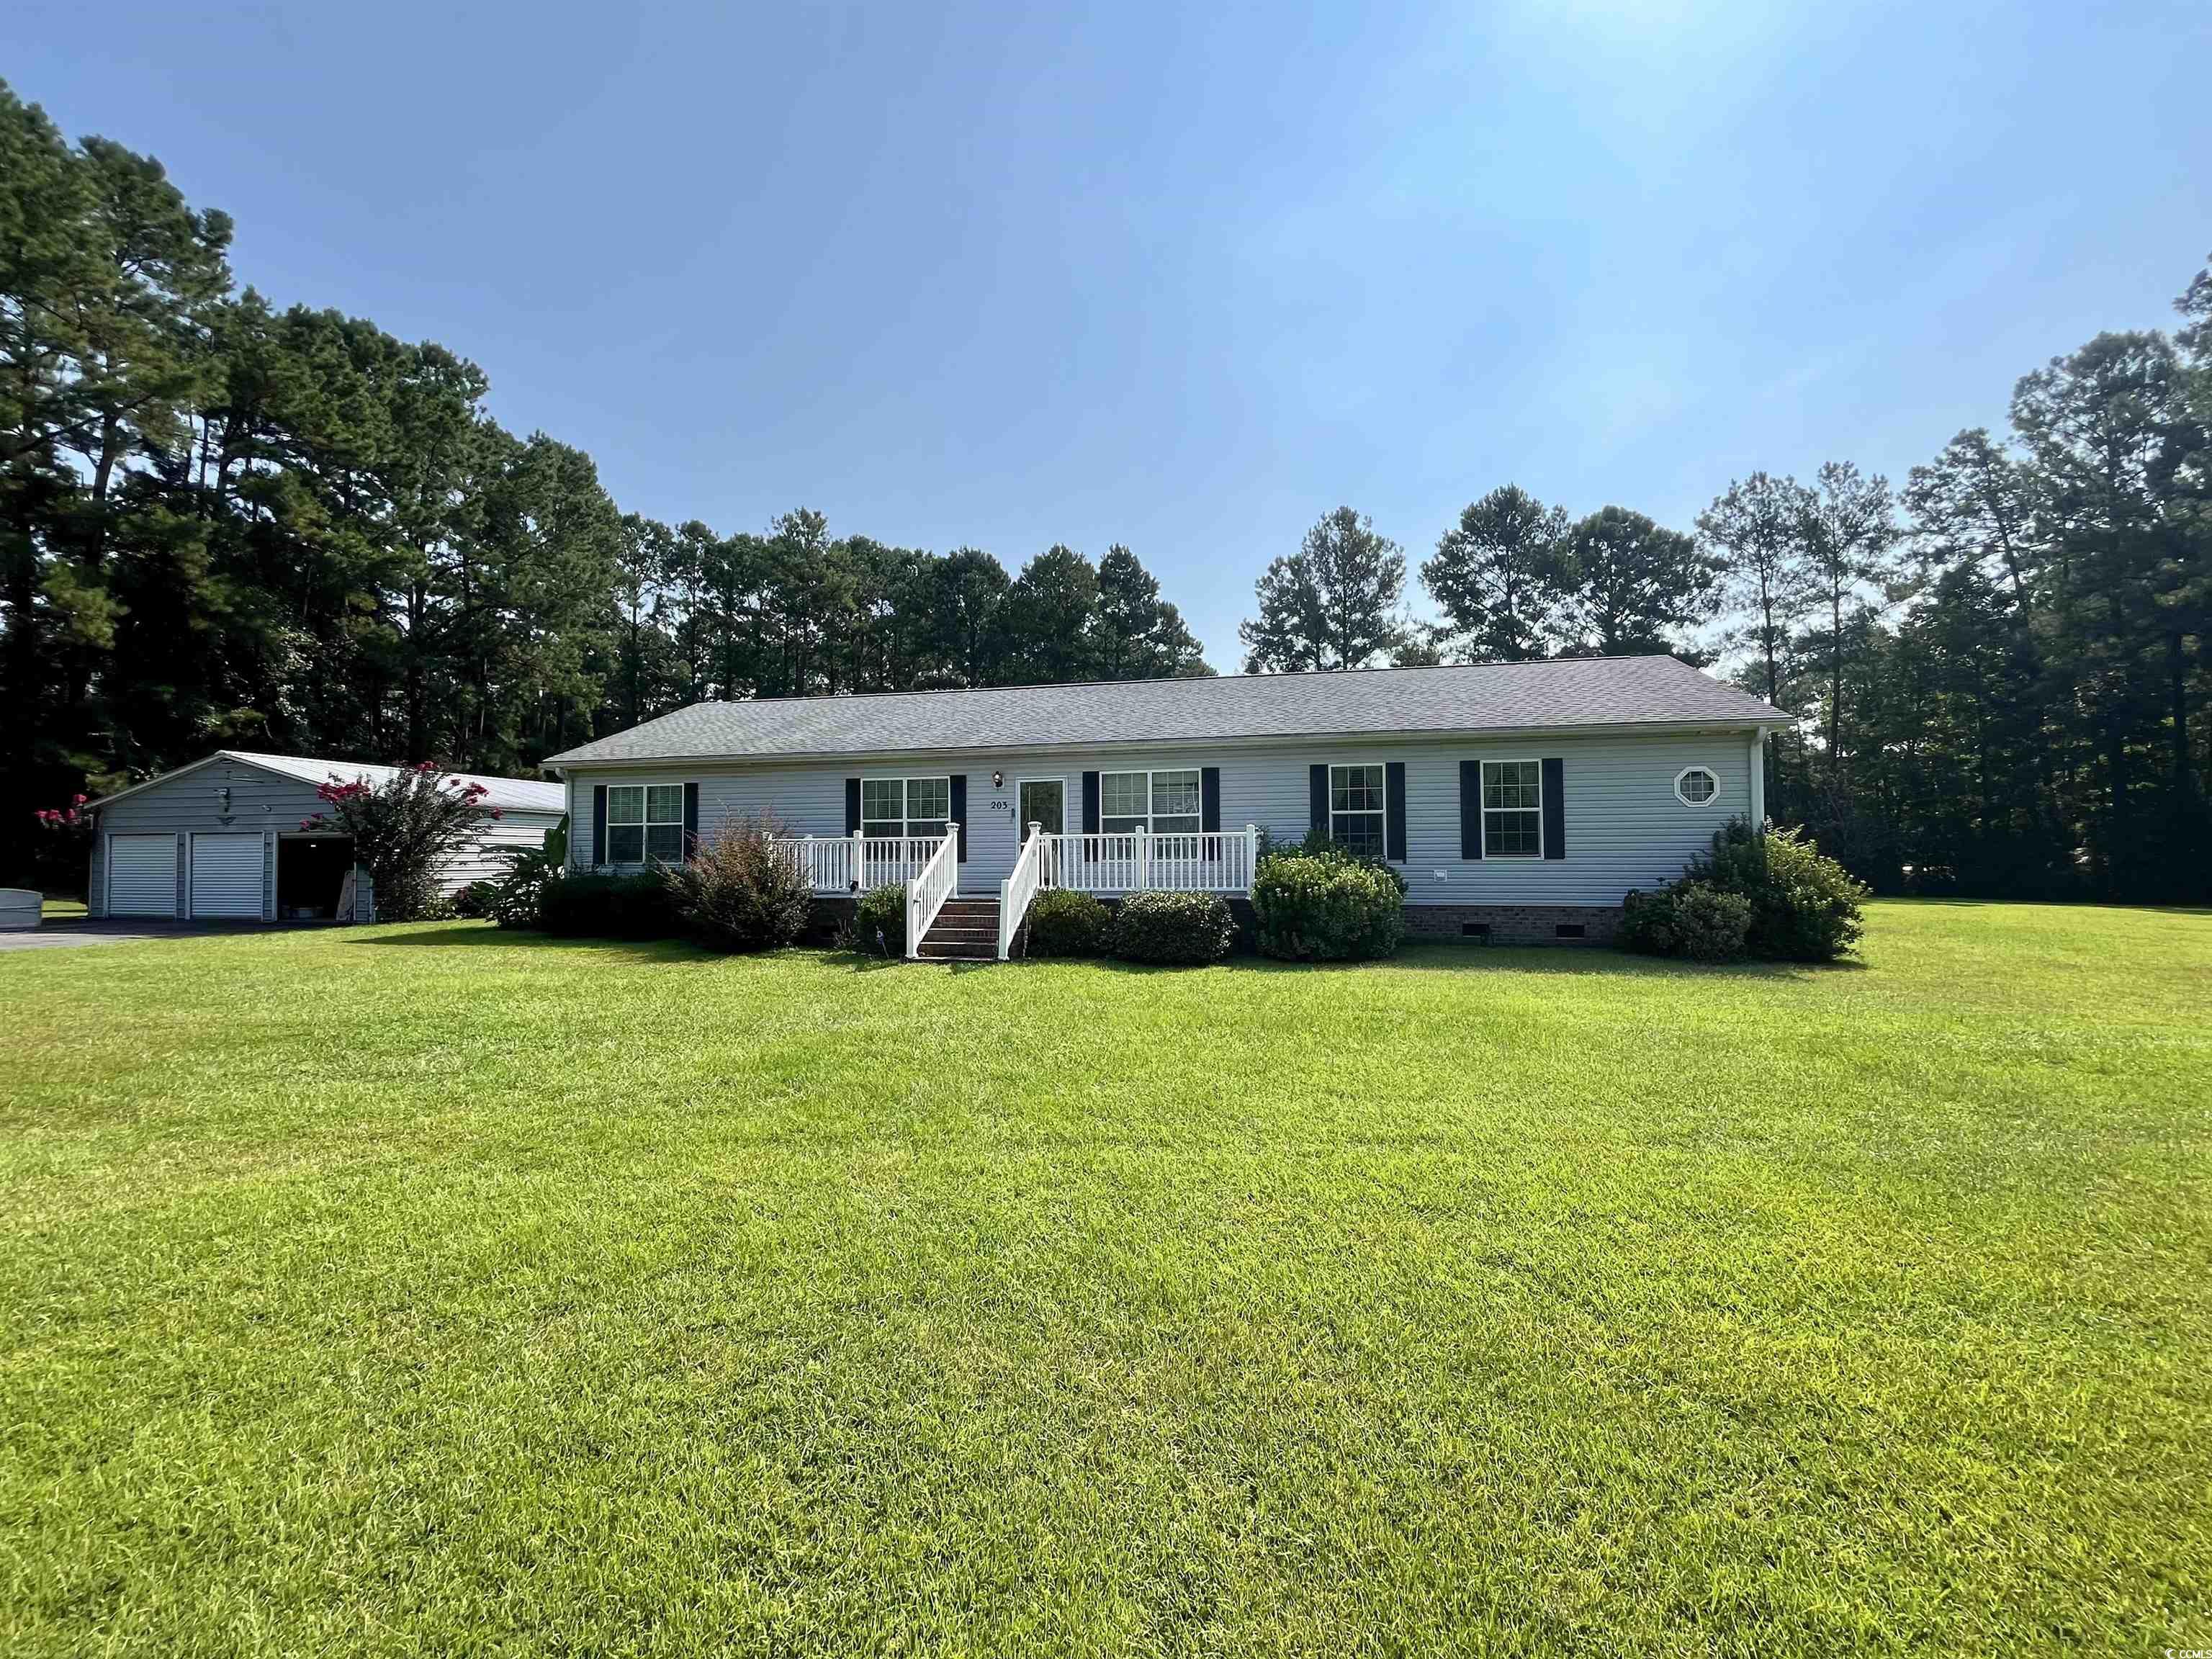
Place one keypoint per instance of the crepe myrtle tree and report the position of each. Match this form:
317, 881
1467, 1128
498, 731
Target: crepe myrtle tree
403, 828
64, 844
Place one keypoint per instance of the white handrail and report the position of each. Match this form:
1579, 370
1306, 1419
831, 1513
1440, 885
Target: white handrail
1138, 861
926, 893
1016, 891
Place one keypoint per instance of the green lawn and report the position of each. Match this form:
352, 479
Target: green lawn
433, 1290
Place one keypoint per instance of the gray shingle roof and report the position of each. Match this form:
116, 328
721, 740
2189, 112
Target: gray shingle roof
1560, 696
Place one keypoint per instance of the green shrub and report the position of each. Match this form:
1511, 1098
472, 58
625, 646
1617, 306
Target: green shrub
516, 897
1318, 844
1321, 907
1648, 923
737, 892
878, 923
1172, 928
1066, 923
1709, 925
1804, 906
474, 901
608, 906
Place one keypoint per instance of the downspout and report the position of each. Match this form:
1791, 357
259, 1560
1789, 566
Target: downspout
1756, 754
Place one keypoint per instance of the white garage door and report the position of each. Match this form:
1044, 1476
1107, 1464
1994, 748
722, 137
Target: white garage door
227, 876
141, 876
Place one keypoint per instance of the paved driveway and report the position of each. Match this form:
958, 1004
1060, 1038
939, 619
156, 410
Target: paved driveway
116, 932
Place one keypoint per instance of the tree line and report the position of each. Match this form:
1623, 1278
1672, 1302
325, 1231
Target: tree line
226, 524
1999, 669
223, 524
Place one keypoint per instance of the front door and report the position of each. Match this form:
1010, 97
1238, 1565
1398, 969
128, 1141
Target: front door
1043, 800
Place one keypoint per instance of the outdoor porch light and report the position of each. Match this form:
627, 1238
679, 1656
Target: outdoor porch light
998, 780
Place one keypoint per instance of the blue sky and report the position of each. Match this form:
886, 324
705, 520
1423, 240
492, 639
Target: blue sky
1186, 278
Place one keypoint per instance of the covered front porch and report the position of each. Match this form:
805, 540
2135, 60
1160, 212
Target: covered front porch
1106, 864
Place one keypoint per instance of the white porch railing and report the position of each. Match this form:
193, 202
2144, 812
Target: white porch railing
926, 893
1016, 891
848, 864
1139, 861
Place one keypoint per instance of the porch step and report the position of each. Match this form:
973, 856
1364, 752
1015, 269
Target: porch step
961, 950
966, 930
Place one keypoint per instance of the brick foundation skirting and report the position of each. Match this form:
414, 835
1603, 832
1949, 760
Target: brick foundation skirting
1505, 924
1514, 924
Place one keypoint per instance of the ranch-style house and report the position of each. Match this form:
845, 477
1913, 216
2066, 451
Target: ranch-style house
1521, 801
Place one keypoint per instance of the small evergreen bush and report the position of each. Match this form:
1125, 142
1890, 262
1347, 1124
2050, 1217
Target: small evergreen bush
1648, 923
1171, 928
1804, 905
1318, 844
878, 923
1709, 925
1775, 897
1066, 923
737, 892
1328, 907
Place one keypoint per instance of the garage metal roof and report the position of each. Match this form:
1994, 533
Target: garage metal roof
1562, 695
509, 794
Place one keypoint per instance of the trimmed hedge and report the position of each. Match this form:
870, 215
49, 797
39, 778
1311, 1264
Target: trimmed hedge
1316, 907
1066, 923
609, 907
1171, 928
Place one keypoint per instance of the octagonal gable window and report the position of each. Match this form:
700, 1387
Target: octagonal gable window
1695, 786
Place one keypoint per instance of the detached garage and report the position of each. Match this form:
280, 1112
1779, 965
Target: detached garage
219, 839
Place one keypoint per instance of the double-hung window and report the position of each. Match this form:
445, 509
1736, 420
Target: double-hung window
645, 824
1356, 819
897, 808
1512, 809
1166, 803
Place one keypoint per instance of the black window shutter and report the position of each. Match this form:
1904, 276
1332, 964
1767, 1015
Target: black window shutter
1394, 810
1470, 809
1317, 799
599, 823
960, 815
852, 807
1090, 803
1209, 799
690, 820
1555, 809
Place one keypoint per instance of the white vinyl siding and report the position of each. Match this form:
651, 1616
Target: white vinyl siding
1626, 828
141, 876
226, 876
